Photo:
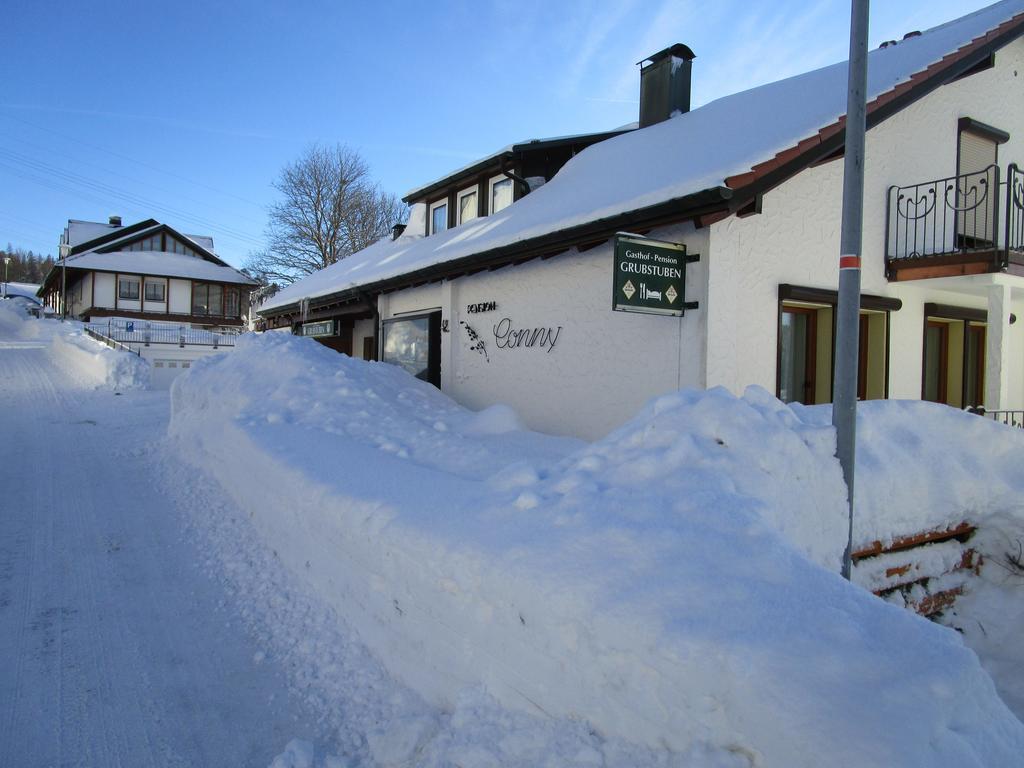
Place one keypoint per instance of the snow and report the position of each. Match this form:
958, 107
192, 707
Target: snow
21, 289
671, 588
973, 467
158, 263
117, 647
203, 241
686, 154
394, 580
92, 363
83, 231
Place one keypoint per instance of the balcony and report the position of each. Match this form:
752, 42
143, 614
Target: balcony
963, 225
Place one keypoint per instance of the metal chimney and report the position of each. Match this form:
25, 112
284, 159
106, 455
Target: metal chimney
665, 84
115, 221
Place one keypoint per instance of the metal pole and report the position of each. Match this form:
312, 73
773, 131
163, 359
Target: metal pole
64, 285
844, 395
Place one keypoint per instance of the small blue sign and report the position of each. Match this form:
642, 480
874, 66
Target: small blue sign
130, 327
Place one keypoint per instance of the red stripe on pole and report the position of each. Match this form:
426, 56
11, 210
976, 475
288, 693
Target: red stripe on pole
849, 262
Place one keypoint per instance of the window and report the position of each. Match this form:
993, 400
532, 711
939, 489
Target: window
231, 302
414, 343
128, 288
468, 206
797, 344
977, 151
438, 217
806, 344
175, 246
155, 291
954, 356
207, 299
501, 193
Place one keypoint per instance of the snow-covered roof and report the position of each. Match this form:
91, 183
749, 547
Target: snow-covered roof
683, 155
158, 263
83, 231
202, 241
510, 149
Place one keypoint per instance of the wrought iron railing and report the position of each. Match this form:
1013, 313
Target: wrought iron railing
110, 342
956, 215
1009, 418
147, 334
1014, 208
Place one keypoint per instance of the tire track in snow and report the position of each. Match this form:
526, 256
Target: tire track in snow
14, 362
117, 647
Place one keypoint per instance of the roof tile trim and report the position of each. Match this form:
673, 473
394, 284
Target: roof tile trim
761, 169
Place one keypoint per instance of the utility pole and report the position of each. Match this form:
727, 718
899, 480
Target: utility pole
844, 395
64, 283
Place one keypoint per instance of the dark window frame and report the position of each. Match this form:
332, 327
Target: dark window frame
826, 298
433, 318
810, 386
974, 321
127, 296
206, 289
162, 285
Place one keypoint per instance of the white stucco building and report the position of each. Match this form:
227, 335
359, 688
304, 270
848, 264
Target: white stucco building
752, 183
163, 293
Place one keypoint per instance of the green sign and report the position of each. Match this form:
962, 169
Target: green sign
319, 328
650, 276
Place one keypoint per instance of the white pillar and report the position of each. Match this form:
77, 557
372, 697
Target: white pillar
449, 333
383, 313
997, 348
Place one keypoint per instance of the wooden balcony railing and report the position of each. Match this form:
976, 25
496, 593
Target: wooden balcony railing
967, 224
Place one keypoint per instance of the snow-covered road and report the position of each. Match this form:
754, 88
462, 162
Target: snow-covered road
116, 646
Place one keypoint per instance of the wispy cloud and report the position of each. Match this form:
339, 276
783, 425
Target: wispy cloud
169, 121
601, 24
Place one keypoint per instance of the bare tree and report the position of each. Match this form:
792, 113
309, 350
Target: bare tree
330, 208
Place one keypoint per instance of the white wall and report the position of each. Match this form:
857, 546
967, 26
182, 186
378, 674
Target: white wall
129, 305
106, 288
796, 237
179, 294
167, 361
604, 365
360, 330
80, 295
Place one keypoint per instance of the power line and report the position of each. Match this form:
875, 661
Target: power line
129, 159
34, 167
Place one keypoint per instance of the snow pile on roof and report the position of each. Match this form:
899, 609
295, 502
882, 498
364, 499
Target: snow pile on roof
159, 263
203, 241
686, 154
663, 584
83, 231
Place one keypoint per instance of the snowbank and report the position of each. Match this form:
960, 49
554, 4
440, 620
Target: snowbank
97, 363
75, 352
664, 584
923, 466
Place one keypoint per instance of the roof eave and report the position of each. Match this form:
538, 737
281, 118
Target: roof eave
500, 158
676, 210
832, 138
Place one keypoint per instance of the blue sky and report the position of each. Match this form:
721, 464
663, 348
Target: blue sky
187, 111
